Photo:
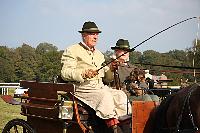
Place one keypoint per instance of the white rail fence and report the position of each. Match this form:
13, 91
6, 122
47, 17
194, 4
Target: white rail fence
4, 87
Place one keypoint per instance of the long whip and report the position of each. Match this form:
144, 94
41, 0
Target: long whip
146, 40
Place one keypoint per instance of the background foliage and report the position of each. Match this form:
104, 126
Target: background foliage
43, 62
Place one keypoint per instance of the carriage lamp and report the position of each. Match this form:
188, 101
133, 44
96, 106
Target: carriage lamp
66, 110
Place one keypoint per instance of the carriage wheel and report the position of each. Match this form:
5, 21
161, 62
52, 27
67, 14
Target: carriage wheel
18, 126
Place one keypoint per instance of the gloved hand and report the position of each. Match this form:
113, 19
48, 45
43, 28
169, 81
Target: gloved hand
114, 65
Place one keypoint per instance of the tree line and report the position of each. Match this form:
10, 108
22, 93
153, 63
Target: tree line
44, 62
28, 63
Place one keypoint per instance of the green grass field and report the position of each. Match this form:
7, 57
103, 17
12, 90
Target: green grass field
9, 112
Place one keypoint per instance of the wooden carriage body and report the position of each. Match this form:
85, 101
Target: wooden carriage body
41, 107
142, 116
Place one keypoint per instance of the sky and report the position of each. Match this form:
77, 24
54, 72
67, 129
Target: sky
58, 22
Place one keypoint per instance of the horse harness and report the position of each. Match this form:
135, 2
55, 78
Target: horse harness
180, 117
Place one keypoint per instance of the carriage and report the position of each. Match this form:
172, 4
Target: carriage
52, 107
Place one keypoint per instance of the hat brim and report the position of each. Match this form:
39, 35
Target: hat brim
125, 49
91, 31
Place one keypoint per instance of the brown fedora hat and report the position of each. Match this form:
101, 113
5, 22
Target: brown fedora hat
122, 44
90, 27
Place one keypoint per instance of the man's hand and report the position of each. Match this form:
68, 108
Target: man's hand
114, 65
89, 73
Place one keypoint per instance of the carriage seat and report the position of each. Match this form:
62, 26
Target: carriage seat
42, 100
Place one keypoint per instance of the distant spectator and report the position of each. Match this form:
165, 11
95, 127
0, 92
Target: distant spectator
150, 83
163, 76
184, 83
148, 75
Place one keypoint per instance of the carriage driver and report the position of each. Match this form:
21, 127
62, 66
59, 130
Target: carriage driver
80, 63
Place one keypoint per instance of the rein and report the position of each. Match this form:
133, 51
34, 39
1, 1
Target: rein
186, 103
180, 118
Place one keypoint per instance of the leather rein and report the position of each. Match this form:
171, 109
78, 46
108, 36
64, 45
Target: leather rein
186, 104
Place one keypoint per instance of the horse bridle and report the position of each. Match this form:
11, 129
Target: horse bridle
187, 102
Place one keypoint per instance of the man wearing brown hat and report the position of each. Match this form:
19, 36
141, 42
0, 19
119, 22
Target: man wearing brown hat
124, 67
80, 63
130, 74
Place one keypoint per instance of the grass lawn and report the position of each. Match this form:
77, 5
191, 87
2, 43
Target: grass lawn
9, 112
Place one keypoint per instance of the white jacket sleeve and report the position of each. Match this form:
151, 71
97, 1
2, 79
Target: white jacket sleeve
69, 71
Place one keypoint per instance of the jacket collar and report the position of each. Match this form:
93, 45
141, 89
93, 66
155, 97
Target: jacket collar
86, 47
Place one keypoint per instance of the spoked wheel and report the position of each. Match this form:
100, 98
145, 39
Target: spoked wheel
18, 126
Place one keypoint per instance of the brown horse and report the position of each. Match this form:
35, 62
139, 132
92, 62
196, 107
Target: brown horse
180, 112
